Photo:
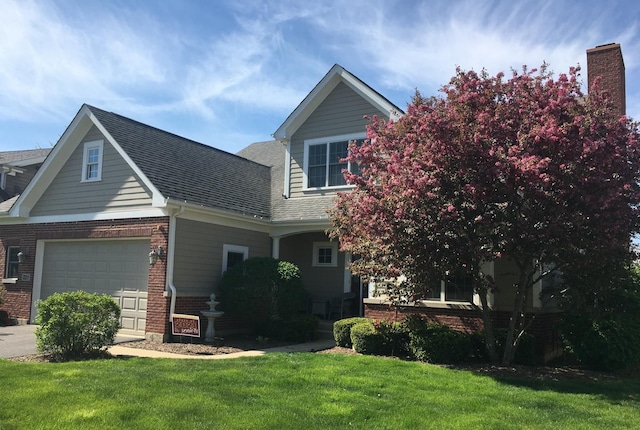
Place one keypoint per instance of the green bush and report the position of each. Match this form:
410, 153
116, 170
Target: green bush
76, 323
604, 344
436, 343
262, 289
301, 328
342, 330
379, 338
366, 340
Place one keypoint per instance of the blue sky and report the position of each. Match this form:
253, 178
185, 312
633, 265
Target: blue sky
227, 73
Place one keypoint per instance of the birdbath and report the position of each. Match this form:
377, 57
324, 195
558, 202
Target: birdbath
211, 315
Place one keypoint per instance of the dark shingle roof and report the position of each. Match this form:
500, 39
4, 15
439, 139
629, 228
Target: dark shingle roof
185, 170
8, 157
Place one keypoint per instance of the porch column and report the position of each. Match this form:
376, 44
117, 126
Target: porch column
275, 247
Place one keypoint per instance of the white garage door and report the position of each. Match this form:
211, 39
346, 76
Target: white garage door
119, 268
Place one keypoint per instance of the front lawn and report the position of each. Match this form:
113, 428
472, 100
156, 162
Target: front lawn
299, 391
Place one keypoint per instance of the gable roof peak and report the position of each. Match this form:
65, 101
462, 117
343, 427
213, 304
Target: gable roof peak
331, 79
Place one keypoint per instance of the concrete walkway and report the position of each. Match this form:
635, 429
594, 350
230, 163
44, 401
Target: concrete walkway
19, 340
318, 345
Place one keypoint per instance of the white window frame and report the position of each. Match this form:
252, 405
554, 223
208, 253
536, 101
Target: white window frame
88, 146
326, 141
316, 254
8, 263
238, 249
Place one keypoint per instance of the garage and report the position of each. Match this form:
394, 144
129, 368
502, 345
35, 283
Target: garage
119, 268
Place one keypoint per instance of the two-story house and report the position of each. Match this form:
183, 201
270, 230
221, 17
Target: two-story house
154, 219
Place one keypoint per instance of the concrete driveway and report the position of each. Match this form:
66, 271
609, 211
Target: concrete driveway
18, 340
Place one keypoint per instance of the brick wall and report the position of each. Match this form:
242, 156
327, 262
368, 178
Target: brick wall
606, 61
18, 296
544, 326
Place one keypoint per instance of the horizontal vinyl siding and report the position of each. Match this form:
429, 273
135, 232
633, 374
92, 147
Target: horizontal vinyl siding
342, 112
198, 256
119, 188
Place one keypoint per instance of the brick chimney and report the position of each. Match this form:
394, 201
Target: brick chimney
606, 61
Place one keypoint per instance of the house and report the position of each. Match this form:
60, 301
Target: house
114, 191
154, 219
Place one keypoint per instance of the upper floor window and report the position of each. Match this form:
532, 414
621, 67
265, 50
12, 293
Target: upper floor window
12, 262
92, 161
323, 163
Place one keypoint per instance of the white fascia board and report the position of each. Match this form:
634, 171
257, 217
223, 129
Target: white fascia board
288, 228
158, 200
52, 165
94, 216
207, 215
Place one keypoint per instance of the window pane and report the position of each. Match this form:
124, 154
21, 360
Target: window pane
92, 155
318, 155
337, 151
317, 177
325, 255
459, 289
12, 262
234, 258
434, 291
92, 171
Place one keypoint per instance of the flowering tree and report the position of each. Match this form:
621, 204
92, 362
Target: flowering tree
525, 168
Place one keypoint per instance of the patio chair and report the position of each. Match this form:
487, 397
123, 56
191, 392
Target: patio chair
341, 305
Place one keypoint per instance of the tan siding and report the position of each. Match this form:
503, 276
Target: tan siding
506, 276
198, 258
318, 281
119, 189
342, 112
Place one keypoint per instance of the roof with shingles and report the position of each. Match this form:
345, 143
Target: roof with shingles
272, 154
185, 170
9, 157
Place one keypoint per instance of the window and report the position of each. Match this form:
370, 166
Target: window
323, 163
453, 289
92, 161
325, 254
12, 262
232, 255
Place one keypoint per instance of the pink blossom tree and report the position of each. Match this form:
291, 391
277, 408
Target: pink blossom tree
525, 168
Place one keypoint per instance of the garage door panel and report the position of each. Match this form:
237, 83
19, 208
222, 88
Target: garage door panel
116, 268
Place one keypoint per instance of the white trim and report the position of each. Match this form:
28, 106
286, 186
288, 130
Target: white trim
287, 171
88, 146
316, 254
326, 141
226, 249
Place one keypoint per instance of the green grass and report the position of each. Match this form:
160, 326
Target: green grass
299, 391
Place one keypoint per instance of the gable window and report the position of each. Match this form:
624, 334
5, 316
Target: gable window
12, 262
92, 161
232, 255
325, 254
323, 163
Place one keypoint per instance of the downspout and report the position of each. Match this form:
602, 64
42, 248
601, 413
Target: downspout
170, 259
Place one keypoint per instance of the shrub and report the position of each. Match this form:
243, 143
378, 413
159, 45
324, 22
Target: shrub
342, 330
436, 343
378, 338
262, 289
366, 340
75, 323
301, 328
603, 344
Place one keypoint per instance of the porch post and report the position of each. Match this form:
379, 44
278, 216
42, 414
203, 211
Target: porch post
275, 247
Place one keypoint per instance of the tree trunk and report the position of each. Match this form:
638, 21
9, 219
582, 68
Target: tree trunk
512, 340
489, 337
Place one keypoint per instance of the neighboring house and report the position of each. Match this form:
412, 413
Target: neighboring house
16, 170
114, 190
